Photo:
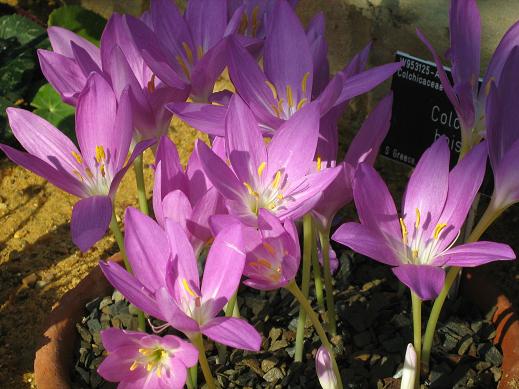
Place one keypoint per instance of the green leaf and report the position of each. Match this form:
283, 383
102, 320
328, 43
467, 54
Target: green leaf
47, 103
19, 27
86, 23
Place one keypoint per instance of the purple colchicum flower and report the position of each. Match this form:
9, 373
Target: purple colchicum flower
409, 372
185, 197
120, 63
435, 205
274, 176
166, 283
324, 369
464, 54
141, 361
189, 50
274, 259
503, 135
92, 172
292, 59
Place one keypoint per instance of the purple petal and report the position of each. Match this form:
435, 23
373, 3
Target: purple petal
207, 21
116, 366
244, 142
409, 373
424, 280
147, 248
292, 148
84, 60
475, 254
269, 225
172, 173
173, 314
207, 70
219, 174
324, 369
198, 223
176, 206
90, 220
207, 118
198, 183
63, 74
464, 182
465, 34
131, 288
428, 186
367, 142
287, 56
506, 179
375, 206
366, 242
367, 80
233, 332
319, 50
61, 40
224, 267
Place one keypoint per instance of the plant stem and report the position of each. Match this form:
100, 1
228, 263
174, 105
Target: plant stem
193, 375
318, 282
114, 226
231, 304
202, 359
189, 381
305, 285
141, 187
490, 215
305, 305
324, 236
417, 332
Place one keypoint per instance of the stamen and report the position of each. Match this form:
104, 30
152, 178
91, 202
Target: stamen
102, 170
149, 366
280, 196
280, 105
100, 154
243, 23
273, 89
254, 18
261, 167
159, 371
183, 65
489, 85
290, 99
188, 51
417, 222
78, 175
250, 190
78, 157
304, 82
438, 229
269, 248
276, 111
277, 179
151, 84
200, 52
134, 365
265, 263
414, 253
89, 173
404, 230
188, 288
319, 163
301, 103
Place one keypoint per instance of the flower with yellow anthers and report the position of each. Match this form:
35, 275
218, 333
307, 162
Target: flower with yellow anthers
279, 176
138, 360
421, 242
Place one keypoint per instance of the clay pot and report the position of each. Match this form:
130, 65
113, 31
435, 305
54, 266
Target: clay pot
54, 356
483, 292
55, 351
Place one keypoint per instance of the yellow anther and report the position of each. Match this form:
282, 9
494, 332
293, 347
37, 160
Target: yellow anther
188, 288
261, 167
200, 52
277, 179
417, 222
149, 367
78, 157
273, 89
319, 163
414, 253
188, 51
404, 230
134, 365
249, 189
89, 173
265, 263
290, 98
151, 84
304, 82
489, 85
102, 170
438, 229
159, 371
78, 174
301, 103
254, 18
280, 196
100, 154
280, 105
269, 248
144, 351
276, 110
183, 65
243, 23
